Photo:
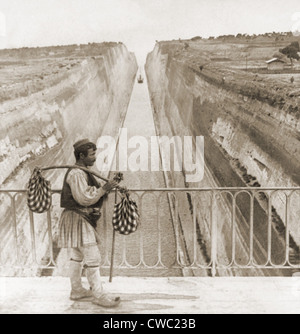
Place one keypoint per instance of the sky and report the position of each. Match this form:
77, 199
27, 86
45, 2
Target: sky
138, 23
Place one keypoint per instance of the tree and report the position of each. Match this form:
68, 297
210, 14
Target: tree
291, 51
196, 38
295, 45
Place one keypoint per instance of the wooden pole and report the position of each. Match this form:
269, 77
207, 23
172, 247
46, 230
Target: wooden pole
113, 246
83, 168
76, 166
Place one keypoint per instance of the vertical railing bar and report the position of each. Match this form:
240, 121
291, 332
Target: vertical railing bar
209, 226
213, 235
176, 224
142, 261
287, 234
50, 238
233, 246
105, 232
194, 229
181, 252
140, 199
112, 255
124, 248
269, 227
159, 230
14, 221
251, 241
123, 261
32, 233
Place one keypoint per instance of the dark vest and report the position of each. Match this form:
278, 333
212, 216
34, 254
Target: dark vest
67, 201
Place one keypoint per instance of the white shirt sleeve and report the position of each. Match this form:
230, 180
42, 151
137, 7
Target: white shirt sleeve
83, 194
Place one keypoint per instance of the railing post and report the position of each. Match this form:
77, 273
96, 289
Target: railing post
233, 231
33, 248
105, 234
14, 219
159, 230
214, 236
113, 247
50, 237
269, 236
287, 227
251, 228
194, 229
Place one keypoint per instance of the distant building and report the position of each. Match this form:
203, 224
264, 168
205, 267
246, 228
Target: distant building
275, 64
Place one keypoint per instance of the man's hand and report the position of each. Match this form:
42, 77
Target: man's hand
111, 184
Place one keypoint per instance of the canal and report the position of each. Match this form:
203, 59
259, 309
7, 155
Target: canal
155, 240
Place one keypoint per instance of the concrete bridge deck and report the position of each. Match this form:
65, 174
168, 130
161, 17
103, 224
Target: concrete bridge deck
175, 295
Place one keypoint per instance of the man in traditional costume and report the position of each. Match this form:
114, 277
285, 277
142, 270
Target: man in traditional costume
81, 198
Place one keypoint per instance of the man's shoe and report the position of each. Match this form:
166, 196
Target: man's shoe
80, 294
106, 301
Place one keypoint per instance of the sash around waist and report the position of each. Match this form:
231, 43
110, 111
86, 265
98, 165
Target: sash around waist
91, 215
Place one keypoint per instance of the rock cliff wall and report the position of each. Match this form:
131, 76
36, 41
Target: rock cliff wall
249, 139
86, 100
82, 99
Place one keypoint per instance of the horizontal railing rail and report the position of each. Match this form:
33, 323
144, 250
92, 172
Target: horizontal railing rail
196, 229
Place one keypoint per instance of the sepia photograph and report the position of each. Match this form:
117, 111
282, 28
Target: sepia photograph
149, 159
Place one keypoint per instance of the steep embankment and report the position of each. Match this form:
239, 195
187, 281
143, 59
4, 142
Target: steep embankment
251, 133
72, 98
86, 98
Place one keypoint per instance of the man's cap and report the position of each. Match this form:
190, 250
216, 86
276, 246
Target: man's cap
82, 142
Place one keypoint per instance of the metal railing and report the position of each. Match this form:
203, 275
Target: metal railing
210, 229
